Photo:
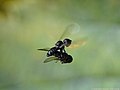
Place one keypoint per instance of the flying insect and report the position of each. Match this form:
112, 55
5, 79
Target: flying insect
63, 57
58, 52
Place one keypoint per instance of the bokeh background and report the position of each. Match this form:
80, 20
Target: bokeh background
26, 25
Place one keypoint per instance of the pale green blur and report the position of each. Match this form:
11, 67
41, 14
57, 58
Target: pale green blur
26, 25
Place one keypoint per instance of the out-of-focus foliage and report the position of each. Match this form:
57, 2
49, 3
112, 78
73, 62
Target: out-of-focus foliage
26, 25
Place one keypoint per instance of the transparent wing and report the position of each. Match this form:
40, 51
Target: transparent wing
78, 43
74, 33
44, 49
52, 58
72, 29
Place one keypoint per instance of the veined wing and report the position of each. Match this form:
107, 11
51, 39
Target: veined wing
74, 33
71, 31
78, 43
52, 58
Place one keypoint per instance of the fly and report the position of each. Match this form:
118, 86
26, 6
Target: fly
58, 52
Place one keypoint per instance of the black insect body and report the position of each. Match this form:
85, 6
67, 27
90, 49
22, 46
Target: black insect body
52, 51
58, 52
63, 57
59, 46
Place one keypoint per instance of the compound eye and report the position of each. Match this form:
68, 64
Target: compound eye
67, 42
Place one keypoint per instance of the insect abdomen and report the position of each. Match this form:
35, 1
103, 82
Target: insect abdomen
51, 51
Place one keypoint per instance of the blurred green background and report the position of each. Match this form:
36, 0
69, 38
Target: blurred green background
26, 25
